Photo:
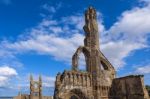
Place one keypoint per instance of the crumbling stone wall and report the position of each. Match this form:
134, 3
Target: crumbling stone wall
71, 83
129, 87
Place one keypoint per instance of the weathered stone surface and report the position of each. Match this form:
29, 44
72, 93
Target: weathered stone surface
73, 83
98, 81
129, 87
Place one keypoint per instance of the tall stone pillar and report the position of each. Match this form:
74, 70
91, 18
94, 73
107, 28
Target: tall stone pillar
91, 42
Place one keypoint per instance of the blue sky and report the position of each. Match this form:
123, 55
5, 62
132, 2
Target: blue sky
40, 37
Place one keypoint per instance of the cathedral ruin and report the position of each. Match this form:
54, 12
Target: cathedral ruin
99, 80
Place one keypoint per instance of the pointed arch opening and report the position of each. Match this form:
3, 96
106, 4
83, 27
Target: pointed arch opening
103, 65
82, 62
81, 53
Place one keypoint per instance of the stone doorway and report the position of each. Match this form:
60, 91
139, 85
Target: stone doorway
77, 94
74, 97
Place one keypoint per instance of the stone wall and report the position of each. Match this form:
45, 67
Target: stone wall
71, 83
129, 87
82, 81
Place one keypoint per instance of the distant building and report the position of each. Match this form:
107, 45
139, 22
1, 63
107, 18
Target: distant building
35, 91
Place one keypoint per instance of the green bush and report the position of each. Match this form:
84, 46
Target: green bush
148, 89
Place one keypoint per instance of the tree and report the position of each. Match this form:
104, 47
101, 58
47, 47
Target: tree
148, 89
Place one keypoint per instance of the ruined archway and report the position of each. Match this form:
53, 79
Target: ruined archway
82, 62
77, 94
75, 58
105, 63
74, 97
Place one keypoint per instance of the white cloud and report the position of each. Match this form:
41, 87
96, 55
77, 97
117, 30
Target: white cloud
48, 44
3, 81
133, 25
45, 39
125, 36
56, 29
128, 34
49, 8
47, 23
52, 9
77, 21
6, 73
117, 51
48, 81
143, 69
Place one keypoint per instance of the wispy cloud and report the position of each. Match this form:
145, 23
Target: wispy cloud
52, 9
117, 51
45, 39
122, 37
128, 34
49, 8
143, 69
6, 73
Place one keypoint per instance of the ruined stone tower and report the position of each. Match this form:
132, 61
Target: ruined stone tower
97, 65
98, 81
